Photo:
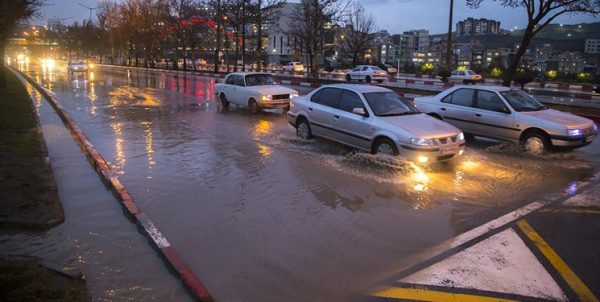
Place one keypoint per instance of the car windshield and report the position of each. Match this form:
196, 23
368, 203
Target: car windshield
471, 72
259, 79
522, 101
376, 68
389, 104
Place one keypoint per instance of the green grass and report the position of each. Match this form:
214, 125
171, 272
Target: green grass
28, 194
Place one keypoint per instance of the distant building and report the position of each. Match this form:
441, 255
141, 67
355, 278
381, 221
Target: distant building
383, 50
544, 51
482, 26
417, 45
283, 48
592, 46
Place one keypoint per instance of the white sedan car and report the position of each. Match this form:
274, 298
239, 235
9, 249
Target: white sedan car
367, 73
255, 91
509, 114
293, 66
77, 66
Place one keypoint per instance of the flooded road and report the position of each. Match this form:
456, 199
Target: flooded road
262, 216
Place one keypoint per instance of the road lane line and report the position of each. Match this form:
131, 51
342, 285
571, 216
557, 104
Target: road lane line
575, 211
580, 289
431, 295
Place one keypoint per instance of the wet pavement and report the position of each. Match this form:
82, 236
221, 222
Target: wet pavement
262, 216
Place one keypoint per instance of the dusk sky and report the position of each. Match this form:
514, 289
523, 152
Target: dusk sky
394, 15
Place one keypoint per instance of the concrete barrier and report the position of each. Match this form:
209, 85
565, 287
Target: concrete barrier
169, 254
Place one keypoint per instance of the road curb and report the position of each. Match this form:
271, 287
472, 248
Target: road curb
167, 252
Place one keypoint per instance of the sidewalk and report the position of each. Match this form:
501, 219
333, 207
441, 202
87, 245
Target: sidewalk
542, 252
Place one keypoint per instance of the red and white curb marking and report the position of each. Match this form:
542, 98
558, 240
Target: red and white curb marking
158, 240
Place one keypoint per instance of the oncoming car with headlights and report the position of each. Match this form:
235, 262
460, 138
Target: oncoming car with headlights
255, 91
509, 114
374, 119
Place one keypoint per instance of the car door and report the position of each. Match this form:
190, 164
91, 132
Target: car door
457, 109
352, 129
493, 117
241, 91
229, 88
364, 72
354, 73
320, 111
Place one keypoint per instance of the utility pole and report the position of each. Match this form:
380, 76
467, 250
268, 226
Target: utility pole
90, 8
243, 35
449, 45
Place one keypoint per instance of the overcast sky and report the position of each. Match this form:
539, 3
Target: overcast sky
394, 15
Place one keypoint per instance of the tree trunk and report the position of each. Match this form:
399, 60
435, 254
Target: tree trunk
2, 70
514, 63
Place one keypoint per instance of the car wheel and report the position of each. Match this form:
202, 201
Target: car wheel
384, 146
224, 101
348, 78
379, 81
368, 79
303, 129
465, 82
253, 106
535, 143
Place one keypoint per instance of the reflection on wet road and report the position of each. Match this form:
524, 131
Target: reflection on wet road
262, 216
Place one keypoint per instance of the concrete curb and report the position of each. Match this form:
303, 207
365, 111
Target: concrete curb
158, 241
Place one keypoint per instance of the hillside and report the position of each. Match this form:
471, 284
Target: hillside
554, 34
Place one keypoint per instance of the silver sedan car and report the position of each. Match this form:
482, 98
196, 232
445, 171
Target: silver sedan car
374, 119
509, 114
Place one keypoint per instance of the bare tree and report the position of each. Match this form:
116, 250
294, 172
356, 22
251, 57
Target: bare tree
356, 38
11, 12
539, 14
309, 22
108, 18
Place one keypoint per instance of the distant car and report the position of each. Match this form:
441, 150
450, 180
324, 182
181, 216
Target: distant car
367, 73
390, 68
77, 66
255, 91
200, 63
163, 63
596, 88
508, 114
189, 64
293, 66
466, 76
374, 119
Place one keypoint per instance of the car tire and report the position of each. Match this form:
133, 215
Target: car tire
348, 78
536, 143
379, 81
368, 79
253, 105
384, 146
224, 101
303, 130
465, 82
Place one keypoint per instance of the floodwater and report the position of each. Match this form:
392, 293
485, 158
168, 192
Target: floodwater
262, 216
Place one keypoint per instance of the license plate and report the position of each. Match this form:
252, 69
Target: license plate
446, 151
589, 138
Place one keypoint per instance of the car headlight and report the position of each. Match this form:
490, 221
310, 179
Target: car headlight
461, 136
91, 65
293, 96
267, 98
422, 142
574, 132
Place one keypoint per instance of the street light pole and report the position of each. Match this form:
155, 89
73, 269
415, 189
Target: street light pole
90, 8
449, 44
243, 35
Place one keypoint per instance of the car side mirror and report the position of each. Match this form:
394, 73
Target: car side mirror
360, 111
505, 110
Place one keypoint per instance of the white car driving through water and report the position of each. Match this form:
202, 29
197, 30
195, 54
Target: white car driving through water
255, 91
374, 119
509, 114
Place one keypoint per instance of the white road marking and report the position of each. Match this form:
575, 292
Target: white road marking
501, 263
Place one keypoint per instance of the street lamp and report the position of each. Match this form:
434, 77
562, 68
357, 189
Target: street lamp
90, 8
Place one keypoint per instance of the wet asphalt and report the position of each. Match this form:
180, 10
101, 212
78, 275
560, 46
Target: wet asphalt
262, 216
